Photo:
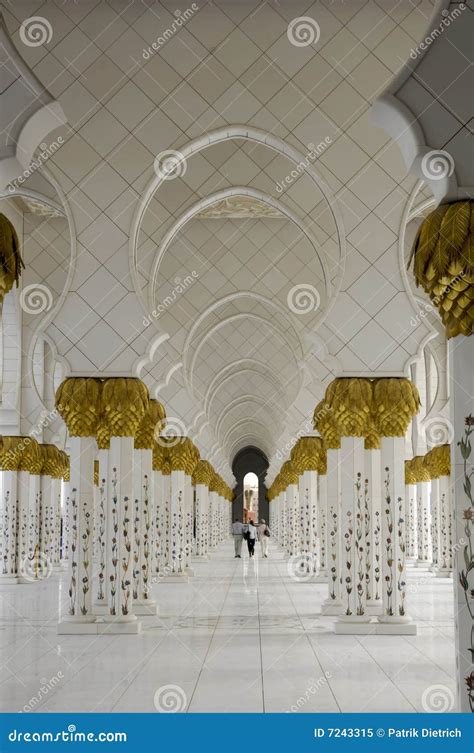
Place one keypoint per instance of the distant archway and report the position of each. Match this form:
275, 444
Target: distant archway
250, 460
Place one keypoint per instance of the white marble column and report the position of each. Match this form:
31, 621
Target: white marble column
461, 367
143, 494
424, 554
23, 521
373, 507
8, 518
323, 527
79, 617
411, 513
354, 595
435, 523
333, 604
177, 535
395, 617
445, 557
103, 519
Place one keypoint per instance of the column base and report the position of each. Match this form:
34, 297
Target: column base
443, 573
189, 572
12, 580
422, 564
124, 625
175, 578
77, 625
100, 607
366, 626
145, 607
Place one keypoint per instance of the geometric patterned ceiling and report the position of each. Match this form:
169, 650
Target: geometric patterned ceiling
236, 321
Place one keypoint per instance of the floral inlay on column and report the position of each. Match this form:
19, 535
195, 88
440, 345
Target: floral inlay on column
466, 572
73, 566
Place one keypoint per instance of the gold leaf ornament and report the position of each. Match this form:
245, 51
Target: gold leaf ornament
78, 402
124, 402
11, 263
150, 425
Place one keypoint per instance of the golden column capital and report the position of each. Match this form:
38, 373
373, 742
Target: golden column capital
31, 460
124, 402
349, 399
410, 475
308, 455
438, 460
11, 262
289, 473
11, 451
160, 455
420, 469
444, 264
51, 460
215, 483
78, 402
395, 402
325, 423
183, 454
203, 473
150, 425
372, 438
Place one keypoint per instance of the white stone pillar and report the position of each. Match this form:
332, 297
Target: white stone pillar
395, 617
120, 616
188, 512
8, 518
143, 494
103, 520
79, 617
424, 554
445, 557
333, 604
164, 518
213, 502
354, 595
46, 521
372, 507
323, 527
23, 524
202, 525
411, 527
65, 505
293, 517
435, 522
461, 367
308, 496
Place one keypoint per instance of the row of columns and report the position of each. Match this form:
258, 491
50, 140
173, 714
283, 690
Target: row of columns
31, 525
140, 517
351, 499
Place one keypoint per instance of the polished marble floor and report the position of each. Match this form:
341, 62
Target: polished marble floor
241, 635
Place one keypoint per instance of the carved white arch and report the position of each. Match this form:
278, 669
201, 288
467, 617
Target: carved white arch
228, 133
241, 400
214, 198
262, 371
278, 333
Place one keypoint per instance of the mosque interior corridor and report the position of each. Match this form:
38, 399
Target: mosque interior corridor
236, 308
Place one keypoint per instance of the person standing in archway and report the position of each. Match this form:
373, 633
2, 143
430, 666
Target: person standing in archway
263, 536
238, 534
